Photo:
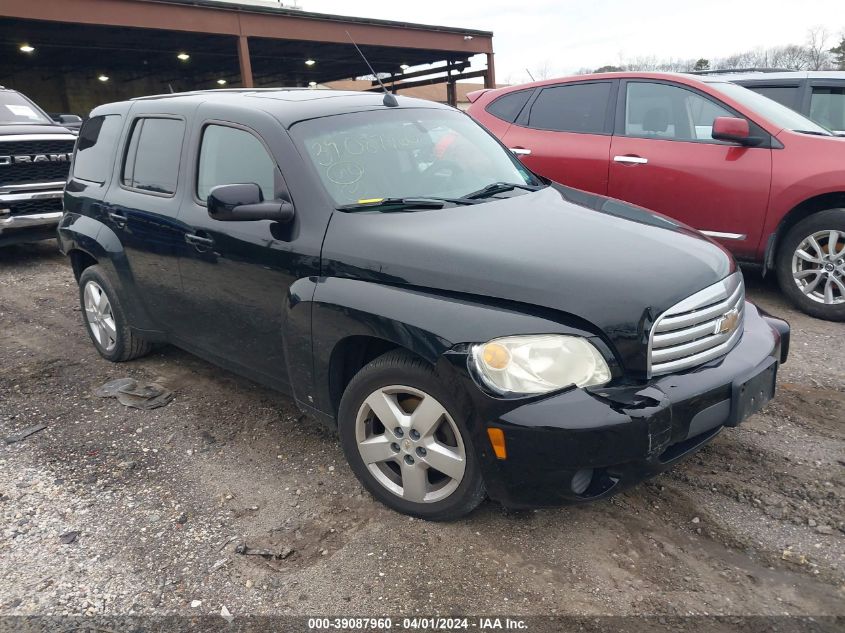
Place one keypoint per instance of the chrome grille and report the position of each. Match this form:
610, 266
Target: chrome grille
696, 330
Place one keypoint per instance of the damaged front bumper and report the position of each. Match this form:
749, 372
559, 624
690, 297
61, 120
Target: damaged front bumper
585, 444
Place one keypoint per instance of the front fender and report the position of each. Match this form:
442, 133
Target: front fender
426, 322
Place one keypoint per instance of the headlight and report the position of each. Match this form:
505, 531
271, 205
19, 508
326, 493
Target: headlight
538, 363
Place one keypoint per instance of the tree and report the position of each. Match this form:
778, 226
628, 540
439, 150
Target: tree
818, 54
608, 69
702, 64
838, 53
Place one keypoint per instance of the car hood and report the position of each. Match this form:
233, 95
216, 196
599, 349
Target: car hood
613, 266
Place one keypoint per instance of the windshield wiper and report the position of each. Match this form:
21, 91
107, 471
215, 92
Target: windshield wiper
499, 187
397, 204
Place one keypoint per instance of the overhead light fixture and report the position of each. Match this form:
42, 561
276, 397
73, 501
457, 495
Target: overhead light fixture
26, 48
103, 78
310, 62
183, 56
467, 37
312, 84
221, 82
404, 66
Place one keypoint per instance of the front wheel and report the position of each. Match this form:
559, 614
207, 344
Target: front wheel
406, 441
811, 265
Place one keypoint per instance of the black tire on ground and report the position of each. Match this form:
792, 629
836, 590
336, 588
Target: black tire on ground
127, 345
402, 368
831, 219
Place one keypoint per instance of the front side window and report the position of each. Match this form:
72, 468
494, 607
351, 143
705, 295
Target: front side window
827, 106
95, 148
230, 156
661, 111
405, 153
152, 156
578, 107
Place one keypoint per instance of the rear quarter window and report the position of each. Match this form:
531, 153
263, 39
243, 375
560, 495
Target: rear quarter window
508, 106
95, 148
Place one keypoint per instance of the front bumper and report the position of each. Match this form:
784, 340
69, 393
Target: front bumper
29, 215
581, 445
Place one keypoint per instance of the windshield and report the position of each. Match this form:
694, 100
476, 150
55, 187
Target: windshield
775, 112
15, 108
406, 153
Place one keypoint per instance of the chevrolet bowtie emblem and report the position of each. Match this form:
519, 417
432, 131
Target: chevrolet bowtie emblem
728, 322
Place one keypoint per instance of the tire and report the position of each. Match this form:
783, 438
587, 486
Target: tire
821, 295
398, 384
106, 323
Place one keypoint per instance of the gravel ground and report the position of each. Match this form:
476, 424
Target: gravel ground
155, 503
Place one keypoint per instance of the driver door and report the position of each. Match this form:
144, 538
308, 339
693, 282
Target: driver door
236, 275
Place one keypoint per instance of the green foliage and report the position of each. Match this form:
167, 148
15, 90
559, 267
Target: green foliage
608, 69
702, 64
839, 54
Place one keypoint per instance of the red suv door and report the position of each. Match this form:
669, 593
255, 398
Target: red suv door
664, 158
564, 133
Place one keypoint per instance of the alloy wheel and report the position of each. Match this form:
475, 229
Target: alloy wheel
818, 267
410, 444
98, 312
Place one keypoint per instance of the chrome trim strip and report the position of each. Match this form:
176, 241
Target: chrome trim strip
30, 195
34, 219
520, 151
725, 236
59, 136
30, 186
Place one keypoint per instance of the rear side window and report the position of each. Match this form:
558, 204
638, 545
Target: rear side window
574, 108
785, 95
827, 106
230, 156
507, 107
152, 157
95, 148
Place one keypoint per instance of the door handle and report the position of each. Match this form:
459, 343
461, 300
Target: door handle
520, 151
631, 160
198, 240
117, 218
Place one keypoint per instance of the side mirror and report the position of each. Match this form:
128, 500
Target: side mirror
734, 129
245, 202
70, 118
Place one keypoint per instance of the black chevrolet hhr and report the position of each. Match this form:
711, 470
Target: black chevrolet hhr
468, 327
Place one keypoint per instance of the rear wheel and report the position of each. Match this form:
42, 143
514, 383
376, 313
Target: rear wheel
105, 319
406, 441
811, 265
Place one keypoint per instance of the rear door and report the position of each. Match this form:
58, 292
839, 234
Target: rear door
564, 133
237, 275
664, 159
143, 205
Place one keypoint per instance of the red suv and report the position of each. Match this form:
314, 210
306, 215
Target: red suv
765, 181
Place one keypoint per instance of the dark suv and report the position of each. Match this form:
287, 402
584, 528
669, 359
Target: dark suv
406, 280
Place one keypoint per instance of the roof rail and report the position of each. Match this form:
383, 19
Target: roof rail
726, 71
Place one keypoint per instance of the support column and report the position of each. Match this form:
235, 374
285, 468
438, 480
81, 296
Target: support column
451, 92
490, 76
246, 64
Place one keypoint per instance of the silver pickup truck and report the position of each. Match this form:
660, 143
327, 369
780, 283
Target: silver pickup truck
35, 154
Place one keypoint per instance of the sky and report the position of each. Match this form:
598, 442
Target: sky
565, 36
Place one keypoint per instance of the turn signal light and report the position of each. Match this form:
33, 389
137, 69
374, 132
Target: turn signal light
497, 440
